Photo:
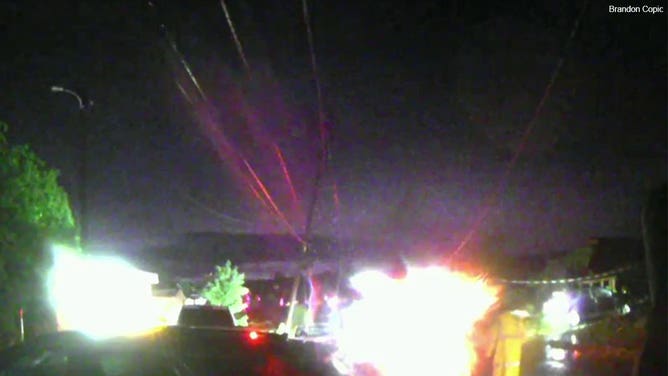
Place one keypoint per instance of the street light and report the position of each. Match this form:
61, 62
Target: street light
60, 89
83, 161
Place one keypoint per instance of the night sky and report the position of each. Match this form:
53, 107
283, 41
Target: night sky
426, 103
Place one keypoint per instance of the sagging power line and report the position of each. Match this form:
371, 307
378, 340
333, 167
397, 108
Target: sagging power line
493, 198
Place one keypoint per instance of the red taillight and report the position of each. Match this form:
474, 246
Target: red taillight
253, 335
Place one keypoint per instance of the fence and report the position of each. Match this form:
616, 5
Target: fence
606, 280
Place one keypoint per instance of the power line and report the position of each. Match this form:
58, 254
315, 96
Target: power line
314, 64
320, 108
493, 198
270, 203
216, 213
262, 188
324, 153
286, 174
184, 64
237, 41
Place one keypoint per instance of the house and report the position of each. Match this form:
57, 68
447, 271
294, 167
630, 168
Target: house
614, 253
168, 299
259, 256
622, 260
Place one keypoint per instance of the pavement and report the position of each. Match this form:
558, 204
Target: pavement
594, 361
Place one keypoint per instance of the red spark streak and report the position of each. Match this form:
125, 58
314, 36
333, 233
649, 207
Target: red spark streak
337, 202
286, 173
267, 195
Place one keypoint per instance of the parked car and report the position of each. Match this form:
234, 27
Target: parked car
203, 316
597, 303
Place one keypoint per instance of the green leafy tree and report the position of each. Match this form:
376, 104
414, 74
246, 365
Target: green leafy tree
34, 212
227, 289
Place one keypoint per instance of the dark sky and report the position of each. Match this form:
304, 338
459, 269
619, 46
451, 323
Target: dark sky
427, 102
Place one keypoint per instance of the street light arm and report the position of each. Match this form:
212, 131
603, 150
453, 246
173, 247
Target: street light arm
60, 89
83, 160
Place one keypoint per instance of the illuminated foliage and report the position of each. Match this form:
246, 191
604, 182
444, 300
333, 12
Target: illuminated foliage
34, 211
227, 289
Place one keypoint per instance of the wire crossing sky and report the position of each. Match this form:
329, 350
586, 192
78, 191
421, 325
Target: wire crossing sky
425, 107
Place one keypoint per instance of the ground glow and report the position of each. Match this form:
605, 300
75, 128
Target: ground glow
101, 296
420, 324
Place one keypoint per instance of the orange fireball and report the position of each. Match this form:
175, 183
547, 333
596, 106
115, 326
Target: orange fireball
419, 324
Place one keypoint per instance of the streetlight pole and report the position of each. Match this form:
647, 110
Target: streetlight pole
83, 161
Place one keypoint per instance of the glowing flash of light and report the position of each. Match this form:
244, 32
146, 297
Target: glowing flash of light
559, 314
101, 296
315, 292
420, 324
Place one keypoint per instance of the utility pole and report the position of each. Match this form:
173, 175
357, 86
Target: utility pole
309, 257
83, 131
